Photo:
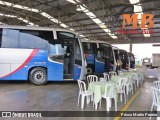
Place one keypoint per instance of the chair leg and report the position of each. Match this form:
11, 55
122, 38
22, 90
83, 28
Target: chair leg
100, 104
127, 89
96, 105
121, 97
91, 97
108, 103
132, 88
141, 83
151, 110
88, 99
82, 101
125, 97
137, 83
135, 86
78, 99
115, 102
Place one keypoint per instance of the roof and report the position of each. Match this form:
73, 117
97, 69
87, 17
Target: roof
65, 14
35, 28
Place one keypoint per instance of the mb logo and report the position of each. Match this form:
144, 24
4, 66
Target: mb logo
145, 18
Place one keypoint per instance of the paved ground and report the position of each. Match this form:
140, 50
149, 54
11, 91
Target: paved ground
61, 96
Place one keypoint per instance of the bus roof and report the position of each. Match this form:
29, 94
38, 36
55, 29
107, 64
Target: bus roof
94, 41
36, 28
115, 48
130, 53
123, 50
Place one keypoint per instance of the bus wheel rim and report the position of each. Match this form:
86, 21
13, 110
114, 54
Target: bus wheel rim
39, 76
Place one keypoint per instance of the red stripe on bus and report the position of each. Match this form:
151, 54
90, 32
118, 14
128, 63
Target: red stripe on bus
34, 52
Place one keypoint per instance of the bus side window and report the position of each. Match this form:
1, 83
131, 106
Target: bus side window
40, 38
100, 54
10, 38
57, 49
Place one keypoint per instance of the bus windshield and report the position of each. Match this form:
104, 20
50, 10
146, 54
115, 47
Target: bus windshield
107, 50
89, 48
124, 55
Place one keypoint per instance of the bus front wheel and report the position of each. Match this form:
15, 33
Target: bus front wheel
90, 70
38, 76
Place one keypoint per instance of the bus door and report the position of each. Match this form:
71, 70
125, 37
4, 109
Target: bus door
61, 60
107, 56
77, 60
56, 62
109, 59
99, 61
72, 60
69, 60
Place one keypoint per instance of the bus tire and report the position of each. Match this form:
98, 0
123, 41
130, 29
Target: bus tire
38, 76
90, 70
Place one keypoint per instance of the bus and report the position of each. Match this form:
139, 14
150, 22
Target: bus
117, 58
40, 54
99, 57
124, 58
131, 60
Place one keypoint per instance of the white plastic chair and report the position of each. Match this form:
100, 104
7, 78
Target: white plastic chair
138, 79
124, 70
141, 77
156, 84
129, 85
156, 98
135, 80
120, 72
84, 93
106, 77
92, 78
131, 69
110, 92
111, 73
121, 88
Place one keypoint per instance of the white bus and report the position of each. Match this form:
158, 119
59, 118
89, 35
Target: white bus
40, 54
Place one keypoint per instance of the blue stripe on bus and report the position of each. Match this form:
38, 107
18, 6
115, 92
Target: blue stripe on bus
55, 69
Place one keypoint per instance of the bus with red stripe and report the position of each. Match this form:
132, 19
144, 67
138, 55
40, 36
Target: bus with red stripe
40, 54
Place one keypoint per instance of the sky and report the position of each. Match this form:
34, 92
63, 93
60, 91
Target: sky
140, 50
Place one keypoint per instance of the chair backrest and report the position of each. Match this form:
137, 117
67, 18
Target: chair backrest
106, 77
124, 70
82, 86
139, 76
131, 69
111, 73
130, 79
92, 78
109, 89
120, 72
127, 80
156, 96
135, 76
142, 74
156, 84
122, 83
